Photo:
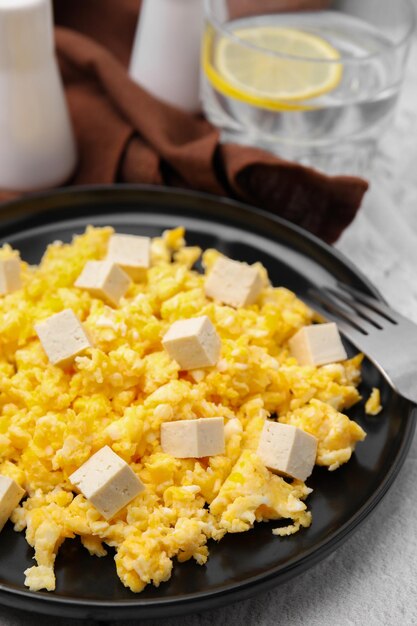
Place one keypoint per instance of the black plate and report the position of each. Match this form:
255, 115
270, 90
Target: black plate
241, 564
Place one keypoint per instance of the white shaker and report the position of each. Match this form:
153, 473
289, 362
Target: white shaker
37, 147
166, 53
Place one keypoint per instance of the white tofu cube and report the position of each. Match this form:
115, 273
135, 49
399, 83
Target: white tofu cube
105, 280
107, 481
193, 438
130, 252
62, 337
180, 438
233, 283
10, 277
193, 343
287, 450
317, 344
10, 495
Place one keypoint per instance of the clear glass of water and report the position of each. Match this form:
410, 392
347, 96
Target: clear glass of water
317, 85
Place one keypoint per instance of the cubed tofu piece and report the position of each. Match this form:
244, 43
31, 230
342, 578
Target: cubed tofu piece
317, 344
107, 481
193, 438
105, 280
62, 337
233, 283
287, 450
193, 343
10, 276
10, 495
130, 252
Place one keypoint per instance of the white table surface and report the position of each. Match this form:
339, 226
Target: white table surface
372, 578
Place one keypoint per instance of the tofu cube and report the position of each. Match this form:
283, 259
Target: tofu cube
193, 438
130, 252
287, 450
193, 343
105, 280
107, 481
62, 337
10, 278
233, 283
317, 344
10, 495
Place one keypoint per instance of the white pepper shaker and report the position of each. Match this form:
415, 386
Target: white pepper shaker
37, 147
166, 53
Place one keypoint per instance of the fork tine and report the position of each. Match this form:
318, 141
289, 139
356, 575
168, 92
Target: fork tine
355, 336
337, 310
393, 349
373, 303
363, 311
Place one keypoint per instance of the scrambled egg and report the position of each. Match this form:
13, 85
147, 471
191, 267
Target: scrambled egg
373, 404
120, 392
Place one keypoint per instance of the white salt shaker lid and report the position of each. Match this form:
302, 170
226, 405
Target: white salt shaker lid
26, 37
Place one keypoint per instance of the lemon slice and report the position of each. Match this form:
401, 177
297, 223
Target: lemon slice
276, 68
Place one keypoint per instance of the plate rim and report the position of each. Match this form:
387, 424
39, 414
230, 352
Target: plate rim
163, 190
43, 602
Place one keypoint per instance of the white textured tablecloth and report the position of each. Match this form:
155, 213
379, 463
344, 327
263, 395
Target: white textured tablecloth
371, 580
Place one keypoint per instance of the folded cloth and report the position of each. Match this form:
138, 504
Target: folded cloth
126, 135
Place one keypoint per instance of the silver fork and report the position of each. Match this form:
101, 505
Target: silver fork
387, 338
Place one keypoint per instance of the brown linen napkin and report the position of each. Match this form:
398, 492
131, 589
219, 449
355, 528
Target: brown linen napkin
126, 135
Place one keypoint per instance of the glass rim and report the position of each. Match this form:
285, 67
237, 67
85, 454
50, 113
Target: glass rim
209, 14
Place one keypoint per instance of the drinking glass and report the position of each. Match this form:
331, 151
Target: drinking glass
315, 81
